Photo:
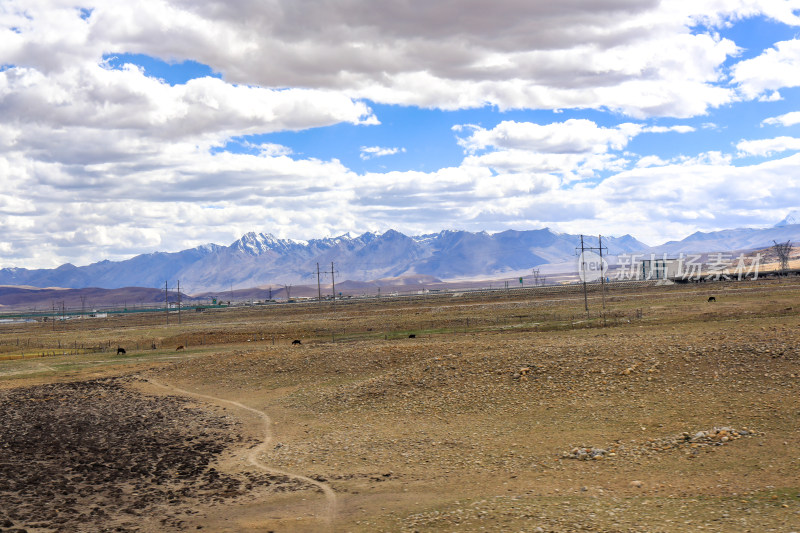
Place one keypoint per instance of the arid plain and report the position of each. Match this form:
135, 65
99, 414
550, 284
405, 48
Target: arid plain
507, 412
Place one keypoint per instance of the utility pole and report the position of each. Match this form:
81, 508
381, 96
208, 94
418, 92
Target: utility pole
602, 270
179, 301
319, 290
166, 300
333, 282
583, 271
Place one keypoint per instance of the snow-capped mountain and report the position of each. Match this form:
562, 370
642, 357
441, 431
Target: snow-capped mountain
792, 218
260, 243
258, 259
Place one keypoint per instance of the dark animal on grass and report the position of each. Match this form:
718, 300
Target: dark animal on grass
120, 351
296, 342
179, 348
712, 299
412, 336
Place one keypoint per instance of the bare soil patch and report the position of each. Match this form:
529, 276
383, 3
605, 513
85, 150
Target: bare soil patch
98, 456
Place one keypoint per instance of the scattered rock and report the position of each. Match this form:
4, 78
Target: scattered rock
713, 437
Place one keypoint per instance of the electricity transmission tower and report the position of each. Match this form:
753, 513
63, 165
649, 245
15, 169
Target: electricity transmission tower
783, 250
538, 280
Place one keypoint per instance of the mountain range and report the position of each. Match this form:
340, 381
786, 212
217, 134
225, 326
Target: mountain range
260, 259
730, 240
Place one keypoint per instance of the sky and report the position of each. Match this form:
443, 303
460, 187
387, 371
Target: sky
160, 125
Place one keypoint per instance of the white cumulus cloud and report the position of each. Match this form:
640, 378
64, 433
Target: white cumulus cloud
638, 56
767, 147
787, 119
776, 68
368, 152
571, 136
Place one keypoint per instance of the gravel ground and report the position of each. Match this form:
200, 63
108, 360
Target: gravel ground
700, 419
462, 430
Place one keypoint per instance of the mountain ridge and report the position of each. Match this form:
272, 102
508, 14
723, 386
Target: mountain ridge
730, 240
261, 259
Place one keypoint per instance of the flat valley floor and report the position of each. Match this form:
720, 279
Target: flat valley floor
663, 412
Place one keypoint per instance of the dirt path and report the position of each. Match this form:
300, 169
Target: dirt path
252, 456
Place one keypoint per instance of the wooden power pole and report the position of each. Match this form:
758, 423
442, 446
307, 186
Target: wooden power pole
319, 290
166, 300
333, 282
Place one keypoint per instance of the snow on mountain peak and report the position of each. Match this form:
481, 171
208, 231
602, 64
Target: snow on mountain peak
392, 234
208, 247
258, 243
260, 258
792, 218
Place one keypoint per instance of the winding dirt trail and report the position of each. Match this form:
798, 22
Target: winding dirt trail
252, 456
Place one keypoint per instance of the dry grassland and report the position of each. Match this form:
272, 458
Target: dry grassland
667, 413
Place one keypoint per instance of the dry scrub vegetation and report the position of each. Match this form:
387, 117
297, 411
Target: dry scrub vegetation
668, 413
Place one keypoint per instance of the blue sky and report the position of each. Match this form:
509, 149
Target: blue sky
161, 126
429, 142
